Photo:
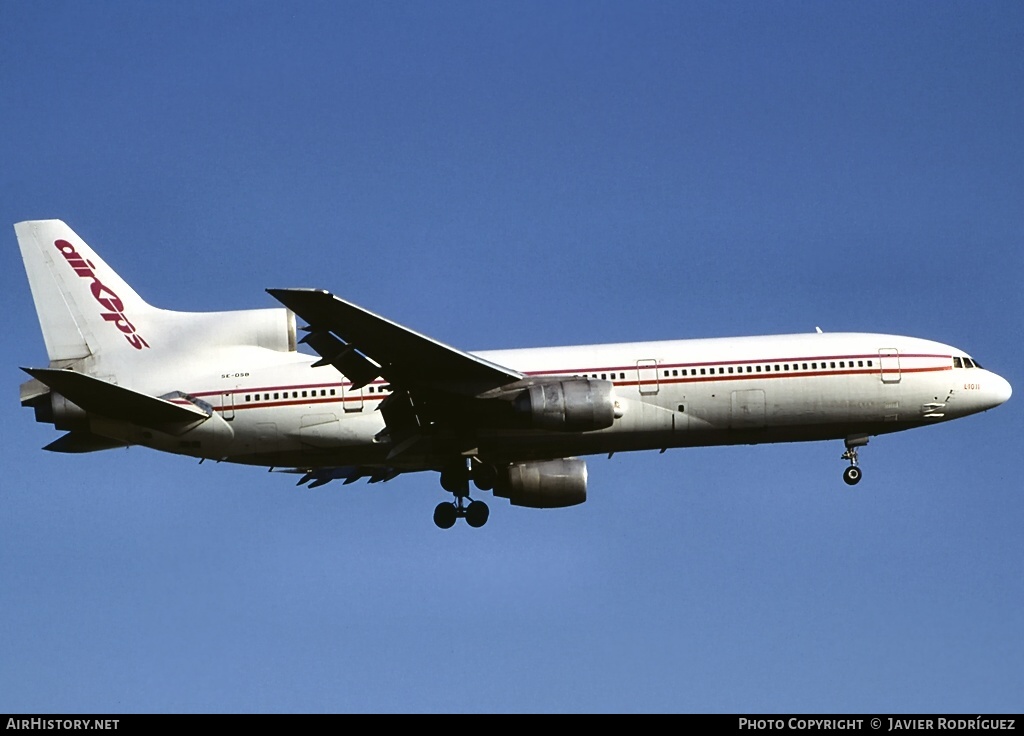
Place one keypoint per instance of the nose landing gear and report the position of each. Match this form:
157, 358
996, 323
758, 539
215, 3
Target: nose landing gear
853, 474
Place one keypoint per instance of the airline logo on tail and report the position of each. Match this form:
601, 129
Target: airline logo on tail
102, 294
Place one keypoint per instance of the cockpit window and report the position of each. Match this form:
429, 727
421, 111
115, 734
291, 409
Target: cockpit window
965, 362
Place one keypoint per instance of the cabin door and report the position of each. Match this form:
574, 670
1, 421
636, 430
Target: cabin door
889, 365
227, 405
647, 377
351, 398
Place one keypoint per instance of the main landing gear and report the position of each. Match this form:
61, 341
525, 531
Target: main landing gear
853, 474
455, 480
475, 514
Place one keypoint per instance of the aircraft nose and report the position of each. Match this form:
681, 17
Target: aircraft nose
1000, 390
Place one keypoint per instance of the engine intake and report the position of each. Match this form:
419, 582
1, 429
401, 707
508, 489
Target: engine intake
575, 405
551, 484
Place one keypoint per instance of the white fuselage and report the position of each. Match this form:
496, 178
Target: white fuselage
277, 410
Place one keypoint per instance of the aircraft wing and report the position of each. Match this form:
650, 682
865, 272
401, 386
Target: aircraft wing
363, 346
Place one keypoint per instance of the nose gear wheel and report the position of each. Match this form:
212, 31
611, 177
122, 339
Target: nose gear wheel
853, 474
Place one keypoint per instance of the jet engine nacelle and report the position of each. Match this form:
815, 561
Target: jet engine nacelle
53, 408
574, 405
273, 329
551, 484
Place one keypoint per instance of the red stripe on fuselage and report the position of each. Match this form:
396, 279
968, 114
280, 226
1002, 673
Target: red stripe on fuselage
660, 380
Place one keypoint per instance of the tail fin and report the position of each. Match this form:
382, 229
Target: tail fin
84, 307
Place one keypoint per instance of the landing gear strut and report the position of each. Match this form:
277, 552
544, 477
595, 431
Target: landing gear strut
853, 474
455, 480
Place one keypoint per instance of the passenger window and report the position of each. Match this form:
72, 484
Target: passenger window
730, 369
758, 369
833, 364
702, 371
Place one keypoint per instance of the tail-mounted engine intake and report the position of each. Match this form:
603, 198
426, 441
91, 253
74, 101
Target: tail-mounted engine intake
574, 405
551, 484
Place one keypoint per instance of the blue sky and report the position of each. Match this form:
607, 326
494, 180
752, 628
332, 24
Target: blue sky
508, 175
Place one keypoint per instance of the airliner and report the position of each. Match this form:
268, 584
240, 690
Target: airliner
373, 399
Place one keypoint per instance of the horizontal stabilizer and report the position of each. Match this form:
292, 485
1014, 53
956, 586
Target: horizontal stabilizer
75, 442
115, 402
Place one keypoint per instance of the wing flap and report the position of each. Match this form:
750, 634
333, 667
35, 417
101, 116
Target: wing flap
332, 351
347, 473
115, 402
